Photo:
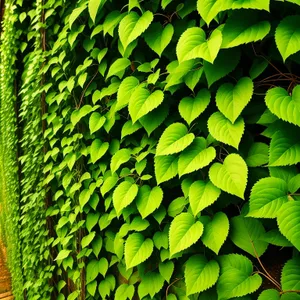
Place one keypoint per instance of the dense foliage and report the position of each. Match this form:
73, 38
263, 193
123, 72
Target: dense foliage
150, 150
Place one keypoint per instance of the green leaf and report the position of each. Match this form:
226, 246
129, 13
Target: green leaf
284, 106
148, 200
225, 63
216, 232
132, 26
284, 148
174, 139
201, 195
123, 195
102, 266
108, 184
165, 167
151, 284
98, 149
84, 197
274, 237
165, 3
195, 157
267, 197
200, 274
63, 254
142, 102
193, 44
247, 234
287, 36
224, 131
166, 270
111, 21
243, 27
76, 13
124, 292
236, 278
96, 122
231, 100
230, 177
127, 87
269, 294
137, 250
86, 240
92, 220
93, 8
190, 108
120, 157
290, 276
91, 270
158, 38
288, 220
258, 155
129, 128
184, 232
78, 114
118, 67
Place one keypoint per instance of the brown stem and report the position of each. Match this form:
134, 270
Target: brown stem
172, 283
83, 92
289, 291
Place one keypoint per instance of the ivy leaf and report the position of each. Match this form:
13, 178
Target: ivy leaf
111, 21
193, 44
78, 114
231, 100
142, 102
230, 177
120, 157
247, 234
184, 232
244, 27
151, 284
224, 131
84, 197
269, 294
200, 274
290, 276
123, 195
86, 240
287, 36
137, 250
201, 195
76, 13
216, 232
63, 254
148, 200
98, 149
96, 122
190, 108
158, 38
174, 139
267, 197
274, 237
118, 67
225, 63
195, 157
166, 270
165, 167
288, 220
284, 106
129, 128
91, 270
284, 149
93, 8
236, 278
258, 155
132, 26
124, 291
127, 87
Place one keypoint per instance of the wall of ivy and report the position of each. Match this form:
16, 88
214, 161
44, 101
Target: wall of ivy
150, 149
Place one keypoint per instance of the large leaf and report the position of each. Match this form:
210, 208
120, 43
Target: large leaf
224, 131
158, 38
243, 27
184, 232
269, 294
165, 167
247, 234
267, 197
287, 36
288, 220
236, 278
195, 157
216, 232
190, 108
132, 26
200, 274
137, 249
174, 139
148, 200
201, 195
151, 284
193, 44
142, 102
93, 8
290, 276
123, 195
284, 106
232, 99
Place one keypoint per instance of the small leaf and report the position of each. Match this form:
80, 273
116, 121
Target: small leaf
151, 284
96, 122
91, 270
165, 167
120, 157
118, 67
63, 254
166, 270
98, 149
93, 8
258, 155
290, 277
86, 240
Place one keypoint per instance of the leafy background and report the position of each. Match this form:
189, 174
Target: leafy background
150, 150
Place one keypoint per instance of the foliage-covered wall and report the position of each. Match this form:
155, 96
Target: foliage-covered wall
150, 149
